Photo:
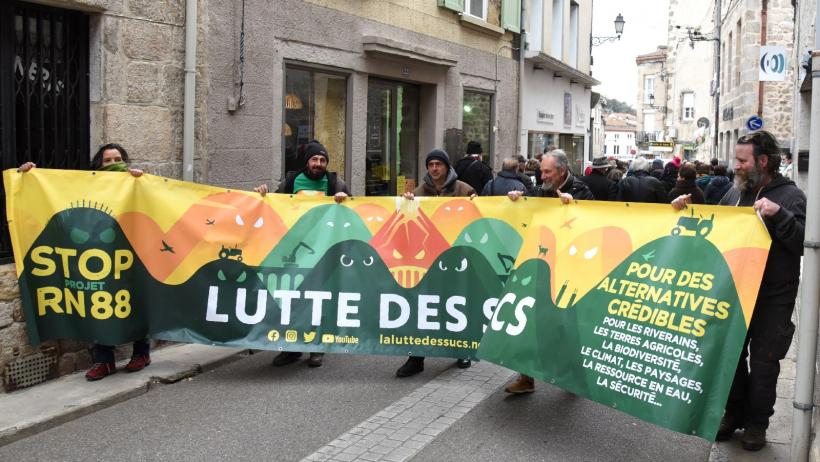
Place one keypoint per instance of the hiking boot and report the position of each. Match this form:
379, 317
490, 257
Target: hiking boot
100, 371
138, 363
315, 359
728, 425
413, 366
754, 438
524, 384
463, 363
286, 357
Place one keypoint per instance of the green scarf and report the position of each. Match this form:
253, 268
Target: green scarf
115, 167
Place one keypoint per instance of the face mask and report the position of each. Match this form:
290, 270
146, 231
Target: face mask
115, 167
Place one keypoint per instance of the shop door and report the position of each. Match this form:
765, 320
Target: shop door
392, 138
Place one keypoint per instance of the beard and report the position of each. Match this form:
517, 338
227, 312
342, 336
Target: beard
316, 173
747, 181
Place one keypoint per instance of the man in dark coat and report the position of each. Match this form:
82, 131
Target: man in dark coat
670, 173
597, 180
782, 206
640, 186
686, 185
314, 177
471, 168
718, 187
507, 180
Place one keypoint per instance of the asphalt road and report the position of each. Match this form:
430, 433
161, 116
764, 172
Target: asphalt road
248, 410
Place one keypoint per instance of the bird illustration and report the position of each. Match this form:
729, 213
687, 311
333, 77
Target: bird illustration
166, 248
209, 222
568, 224
648, 256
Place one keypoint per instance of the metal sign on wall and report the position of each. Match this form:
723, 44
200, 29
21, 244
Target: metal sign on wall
772, 64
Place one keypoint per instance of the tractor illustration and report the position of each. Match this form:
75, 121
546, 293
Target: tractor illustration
227, 253
694, 226
290, 260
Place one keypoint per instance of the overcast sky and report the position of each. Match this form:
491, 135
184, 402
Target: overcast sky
614, 62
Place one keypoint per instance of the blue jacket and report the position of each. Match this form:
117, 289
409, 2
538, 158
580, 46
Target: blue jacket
503, 183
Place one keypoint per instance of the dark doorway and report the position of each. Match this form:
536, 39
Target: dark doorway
44, 116
392, 138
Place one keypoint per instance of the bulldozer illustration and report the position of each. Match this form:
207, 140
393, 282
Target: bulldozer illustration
694, 226
289, 261
227, 253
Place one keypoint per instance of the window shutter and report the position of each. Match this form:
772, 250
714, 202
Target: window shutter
511, 15
455, 5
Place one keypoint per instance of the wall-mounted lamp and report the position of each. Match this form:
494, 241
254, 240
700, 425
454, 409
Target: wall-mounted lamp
619, 29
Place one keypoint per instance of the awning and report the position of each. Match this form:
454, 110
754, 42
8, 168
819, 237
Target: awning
560, 69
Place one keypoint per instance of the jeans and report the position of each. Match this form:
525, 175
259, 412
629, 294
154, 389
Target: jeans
105, 353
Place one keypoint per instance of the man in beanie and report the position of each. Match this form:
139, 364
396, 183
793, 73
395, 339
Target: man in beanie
440, 180
313, 178
471, 169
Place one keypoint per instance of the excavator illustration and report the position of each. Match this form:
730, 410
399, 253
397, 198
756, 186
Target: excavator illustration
289, 261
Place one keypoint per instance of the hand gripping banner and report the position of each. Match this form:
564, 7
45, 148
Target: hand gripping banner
635, 306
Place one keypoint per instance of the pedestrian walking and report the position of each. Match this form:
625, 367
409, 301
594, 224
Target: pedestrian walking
471, 168
507, 180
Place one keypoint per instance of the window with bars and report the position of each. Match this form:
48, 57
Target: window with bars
44, 115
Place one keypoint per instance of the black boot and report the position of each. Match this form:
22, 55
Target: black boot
286, 357
413, 366
728, 425
754, 438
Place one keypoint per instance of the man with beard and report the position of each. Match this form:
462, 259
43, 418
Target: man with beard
440, 180
313, 179
782, 206
558, 182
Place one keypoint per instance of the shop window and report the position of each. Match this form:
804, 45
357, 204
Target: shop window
315, 107
477, 115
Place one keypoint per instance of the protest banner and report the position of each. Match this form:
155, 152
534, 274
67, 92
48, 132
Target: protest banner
633, 305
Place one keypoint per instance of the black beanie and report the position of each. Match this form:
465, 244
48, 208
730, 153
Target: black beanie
438, 154
474, 147
315, 148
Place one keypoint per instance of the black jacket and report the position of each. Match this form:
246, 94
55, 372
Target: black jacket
786, 228
503, 183
717, 188
334, 183
641, 187
575, 187
599, 185
687, 187
473, 172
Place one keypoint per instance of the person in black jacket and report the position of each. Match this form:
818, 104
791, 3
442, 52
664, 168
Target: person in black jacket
782, 206
640, 187
718, 186
670, 173
507, 180
597, 181
314, 177
471, 168
687, 185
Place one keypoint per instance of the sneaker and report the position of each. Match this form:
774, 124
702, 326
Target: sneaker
413, 366
523, 384
463, 363
315, 359
138, 363
286, 357
100, 371
728, 425
754, 438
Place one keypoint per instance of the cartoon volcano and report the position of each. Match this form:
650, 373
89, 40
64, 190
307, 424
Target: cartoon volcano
84, 266
409, 243
222, 225
452, 216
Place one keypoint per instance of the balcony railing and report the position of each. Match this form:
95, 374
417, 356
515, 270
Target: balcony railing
645, 137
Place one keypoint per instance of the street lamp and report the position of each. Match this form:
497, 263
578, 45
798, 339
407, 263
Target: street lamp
651, 100
619, 29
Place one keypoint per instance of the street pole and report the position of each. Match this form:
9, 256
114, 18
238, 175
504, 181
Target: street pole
715, 147
810, 292
521, 146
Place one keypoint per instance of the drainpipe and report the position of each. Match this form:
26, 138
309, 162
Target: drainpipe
764, 20
190, 91
715, 144
522, 50
810, 292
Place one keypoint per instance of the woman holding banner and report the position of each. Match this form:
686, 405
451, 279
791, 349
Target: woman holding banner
113, 158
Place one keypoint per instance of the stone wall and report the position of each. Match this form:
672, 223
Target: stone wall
136, 87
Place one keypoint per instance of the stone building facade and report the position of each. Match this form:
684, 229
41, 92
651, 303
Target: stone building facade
746, 26
380, 83
653, 101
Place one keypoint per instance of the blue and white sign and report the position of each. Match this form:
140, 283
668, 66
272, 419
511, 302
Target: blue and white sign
772, 63
754, 123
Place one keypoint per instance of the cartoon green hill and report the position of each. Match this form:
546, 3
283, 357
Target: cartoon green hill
495, 239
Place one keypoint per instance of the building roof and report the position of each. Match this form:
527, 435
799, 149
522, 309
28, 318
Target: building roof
619, 121
655, 56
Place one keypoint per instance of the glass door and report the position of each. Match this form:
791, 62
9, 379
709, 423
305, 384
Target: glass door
392, 138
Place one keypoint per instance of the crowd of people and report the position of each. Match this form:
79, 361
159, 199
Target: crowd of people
760, 179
